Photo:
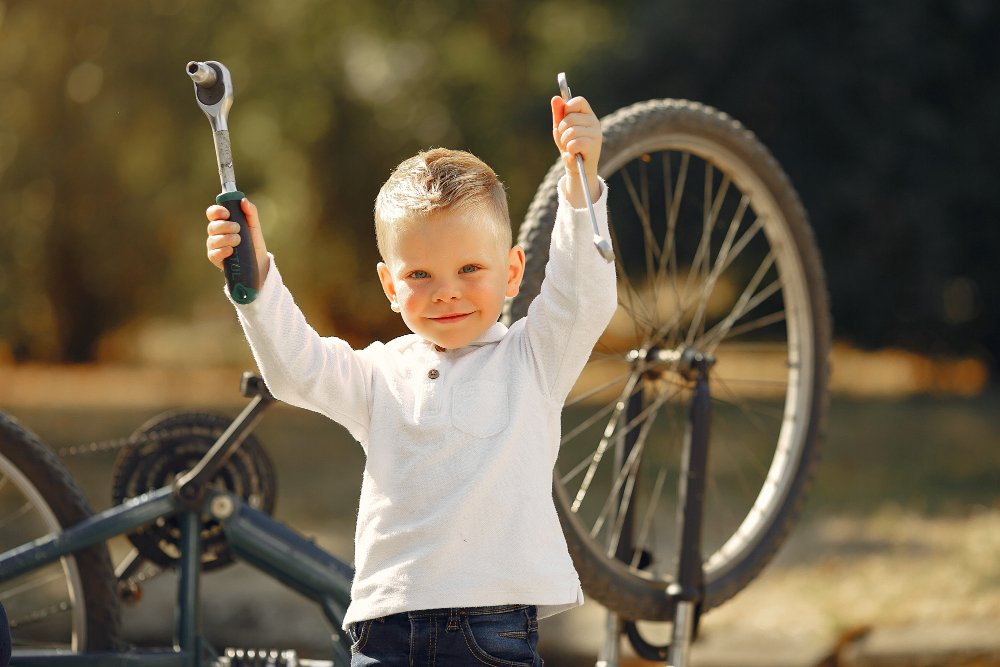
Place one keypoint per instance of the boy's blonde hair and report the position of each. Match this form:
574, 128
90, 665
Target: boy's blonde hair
436, 180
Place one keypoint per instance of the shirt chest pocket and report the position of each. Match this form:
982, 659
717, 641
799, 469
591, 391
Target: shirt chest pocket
480, 408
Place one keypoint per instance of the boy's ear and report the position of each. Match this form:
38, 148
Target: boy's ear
385, 277
515, 270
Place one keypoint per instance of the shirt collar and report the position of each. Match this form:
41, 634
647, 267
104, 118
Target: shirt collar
492, 335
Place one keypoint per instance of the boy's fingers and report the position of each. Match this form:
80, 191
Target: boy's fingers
250, 211
216, 212
222, 227
217, 241
217, 255
579, 120
558, 110
578, 105
574, 137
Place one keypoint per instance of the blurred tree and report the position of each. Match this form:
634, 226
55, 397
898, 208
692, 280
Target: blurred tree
878, 111
106, 161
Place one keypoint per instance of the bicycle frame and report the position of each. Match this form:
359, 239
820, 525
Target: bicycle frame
264, 543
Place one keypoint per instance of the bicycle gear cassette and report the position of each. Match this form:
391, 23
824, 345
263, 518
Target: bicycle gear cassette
166, 447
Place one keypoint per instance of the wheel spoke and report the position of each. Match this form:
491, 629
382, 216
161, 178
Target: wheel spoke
626, 500
674, 195
592, 391
748, 300
29, 586
602, 446
645, 421
632, 295
641, 543
755, 325
721, 262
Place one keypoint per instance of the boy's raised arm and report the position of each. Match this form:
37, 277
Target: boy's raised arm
576, 130
578, 295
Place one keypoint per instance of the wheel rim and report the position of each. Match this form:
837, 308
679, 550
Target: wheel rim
737, 294
39, 603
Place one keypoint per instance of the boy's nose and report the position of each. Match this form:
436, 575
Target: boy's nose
446, 290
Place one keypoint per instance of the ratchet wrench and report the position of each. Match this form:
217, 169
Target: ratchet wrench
213, 90
603, 245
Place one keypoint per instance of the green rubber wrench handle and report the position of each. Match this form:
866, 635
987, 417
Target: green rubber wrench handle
213, 90
240, 268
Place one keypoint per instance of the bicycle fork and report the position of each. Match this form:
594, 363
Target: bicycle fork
687, 590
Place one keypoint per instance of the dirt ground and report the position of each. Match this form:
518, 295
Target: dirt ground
902, 527
837, 579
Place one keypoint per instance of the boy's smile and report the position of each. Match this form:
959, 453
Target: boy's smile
449, 275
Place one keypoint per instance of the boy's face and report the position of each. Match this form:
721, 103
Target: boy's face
450, 275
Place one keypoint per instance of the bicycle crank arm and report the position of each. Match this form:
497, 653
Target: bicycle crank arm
213, 90
603, 245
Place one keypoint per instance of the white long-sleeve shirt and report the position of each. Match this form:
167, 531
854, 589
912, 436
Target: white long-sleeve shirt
456, 504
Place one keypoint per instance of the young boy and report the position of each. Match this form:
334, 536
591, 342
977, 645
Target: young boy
458, 548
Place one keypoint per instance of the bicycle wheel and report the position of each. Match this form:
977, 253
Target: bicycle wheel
714, 254
70, 604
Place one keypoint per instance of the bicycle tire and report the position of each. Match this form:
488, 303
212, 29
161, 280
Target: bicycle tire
47, 500
643, 142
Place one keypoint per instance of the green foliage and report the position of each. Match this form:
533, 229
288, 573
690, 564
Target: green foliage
878, 111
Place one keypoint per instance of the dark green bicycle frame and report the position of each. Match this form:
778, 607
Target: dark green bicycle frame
266, 544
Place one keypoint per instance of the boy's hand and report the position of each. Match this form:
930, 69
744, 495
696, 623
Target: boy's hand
223, 236
576, 130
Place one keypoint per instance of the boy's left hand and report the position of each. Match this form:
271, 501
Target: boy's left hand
576, 130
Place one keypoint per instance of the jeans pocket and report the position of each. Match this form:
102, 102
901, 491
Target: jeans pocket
359, 635
503, 639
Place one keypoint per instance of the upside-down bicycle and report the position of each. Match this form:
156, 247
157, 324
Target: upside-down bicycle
722, 329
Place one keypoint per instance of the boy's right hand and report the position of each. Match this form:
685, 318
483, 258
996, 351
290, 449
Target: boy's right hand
577, 131
223, 236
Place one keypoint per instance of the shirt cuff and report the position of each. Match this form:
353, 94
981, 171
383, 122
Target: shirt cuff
271, 283
563, 184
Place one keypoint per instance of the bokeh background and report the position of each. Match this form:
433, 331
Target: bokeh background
882, 113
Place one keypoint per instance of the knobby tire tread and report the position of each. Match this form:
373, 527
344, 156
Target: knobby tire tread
65, 499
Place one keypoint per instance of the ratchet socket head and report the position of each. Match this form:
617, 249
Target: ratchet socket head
213, 90
202, 75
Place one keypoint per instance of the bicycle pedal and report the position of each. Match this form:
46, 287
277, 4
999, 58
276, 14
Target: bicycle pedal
238, 657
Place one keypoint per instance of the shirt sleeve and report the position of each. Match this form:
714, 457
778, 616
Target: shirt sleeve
577, 298
301, 368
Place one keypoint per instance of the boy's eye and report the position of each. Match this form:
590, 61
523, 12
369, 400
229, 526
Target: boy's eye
418, 274
469, 268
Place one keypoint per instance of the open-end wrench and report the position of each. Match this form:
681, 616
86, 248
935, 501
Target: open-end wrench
213, 90
603, 245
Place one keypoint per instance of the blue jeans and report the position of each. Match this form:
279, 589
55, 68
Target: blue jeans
501, 636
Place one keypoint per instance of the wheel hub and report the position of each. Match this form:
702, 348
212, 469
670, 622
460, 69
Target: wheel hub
687, 362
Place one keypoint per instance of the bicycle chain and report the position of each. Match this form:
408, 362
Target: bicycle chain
39, 615
100, 446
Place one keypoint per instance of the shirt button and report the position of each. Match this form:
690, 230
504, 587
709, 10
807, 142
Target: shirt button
433, 374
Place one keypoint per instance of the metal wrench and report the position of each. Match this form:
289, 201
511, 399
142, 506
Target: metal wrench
603, 245
213, 90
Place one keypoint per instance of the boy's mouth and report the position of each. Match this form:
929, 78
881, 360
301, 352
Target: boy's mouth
454, 317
